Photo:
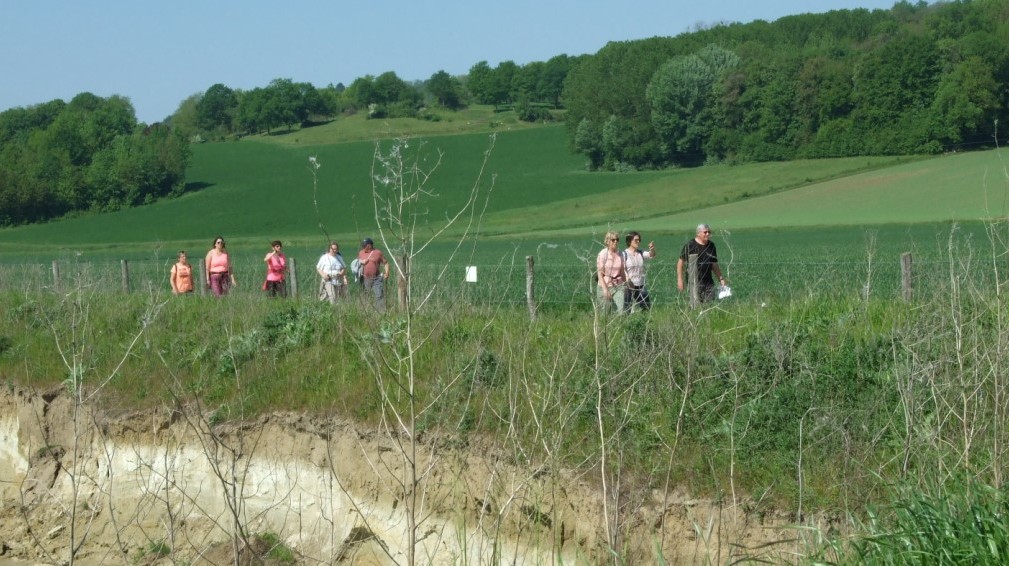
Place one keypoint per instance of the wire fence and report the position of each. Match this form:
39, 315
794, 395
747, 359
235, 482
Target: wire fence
549, 285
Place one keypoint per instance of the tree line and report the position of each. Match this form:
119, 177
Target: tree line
917, 78
219, 112
87, 154
91, 154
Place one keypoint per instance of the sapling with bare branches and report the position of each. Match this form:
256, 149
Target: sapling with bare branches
404, 194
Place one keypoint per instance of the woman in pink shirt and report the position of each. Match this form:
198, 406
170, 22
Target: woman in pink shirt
276, 268
610, 275
220, 278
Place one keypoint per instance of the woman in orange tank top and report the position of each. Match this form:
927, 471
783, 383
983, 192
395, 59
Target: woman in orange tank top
182, 275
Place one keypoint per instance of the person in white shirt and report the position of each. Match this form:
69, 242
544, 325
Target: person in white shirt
333, 272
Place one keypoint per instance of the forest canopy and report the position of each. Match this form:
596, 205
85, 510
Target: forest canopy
917, 78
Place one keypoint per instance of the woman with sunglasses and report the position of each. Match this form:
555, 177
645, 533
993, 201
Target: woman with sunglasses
220, 277
610, 275
636, 296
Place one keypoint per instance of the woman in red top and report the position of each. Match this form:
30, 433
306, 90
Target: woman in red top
276, 269
375, 271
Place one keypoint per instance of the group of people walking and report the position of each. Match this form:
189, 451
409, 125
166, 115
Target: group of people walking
370, 269
620, 275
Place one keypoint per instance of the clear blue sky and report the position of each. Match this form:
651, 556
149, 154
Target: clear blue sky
159, 52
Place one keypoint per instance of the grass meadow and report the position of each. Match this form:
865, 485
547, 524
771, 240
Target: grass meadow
254, 191
815, 390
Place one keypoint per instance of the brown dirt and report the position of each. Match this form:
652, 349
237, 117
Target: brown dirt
160, 487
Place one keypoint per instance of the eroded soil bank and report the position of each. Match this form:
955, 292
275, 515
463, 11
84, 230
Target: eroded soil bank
172, 486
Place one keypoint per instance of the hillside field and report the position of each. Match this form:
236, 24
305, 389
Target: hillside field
254, 191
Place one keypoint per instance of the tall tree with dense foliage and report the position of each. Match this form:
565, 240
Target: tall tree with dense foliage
216, 109
967, 100
480, 82
503, 83
252, 116
184, 120
446, 90
551, 80
680, 94
285, 106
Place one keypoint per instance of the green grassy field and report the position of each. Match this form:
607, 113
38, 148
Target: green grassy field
253, 191
826, 219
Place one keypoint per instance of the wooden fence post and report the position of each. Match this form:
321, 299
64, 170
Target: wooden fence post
905, 275
56, 276
125, 268
292, 272
692, 287
530, 287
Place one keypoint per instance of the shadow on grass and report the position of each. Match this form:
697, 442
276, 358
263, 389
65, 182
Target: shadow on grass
196, 187
306, 125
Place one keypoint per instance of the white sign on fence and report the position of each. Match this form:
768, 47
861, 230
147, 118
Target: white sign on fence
471, 274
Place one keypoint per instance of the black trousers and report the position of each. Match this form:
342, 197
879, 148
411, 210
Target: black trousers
636, 297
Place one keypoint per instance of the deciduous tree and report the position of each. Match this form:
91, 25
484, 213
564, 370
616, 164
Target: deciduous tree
680, 96
446, 90
480, 83
966, 101
217, 108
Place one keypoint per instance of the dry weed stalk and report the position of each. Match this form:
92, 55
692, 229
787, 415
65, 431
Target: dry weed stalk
950, 364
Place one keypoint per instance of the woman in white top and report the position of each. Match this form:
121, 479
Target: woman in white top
636, 295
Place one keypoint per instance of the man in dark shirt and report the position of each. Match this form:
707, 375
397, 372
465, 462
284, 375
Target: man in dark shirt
707, 263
